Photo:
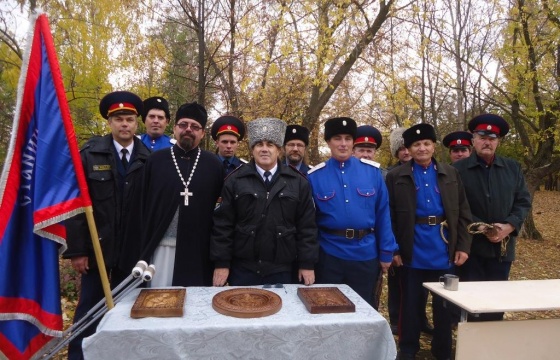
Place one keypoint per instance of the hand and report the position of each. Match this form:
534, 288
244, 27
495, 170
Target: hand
220, 276
460, 258
397, 261
385, 266
308, 276
500, 232
80, 264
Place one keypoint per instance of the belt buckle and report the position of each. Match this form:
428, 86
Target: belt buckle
348, 232
432, 220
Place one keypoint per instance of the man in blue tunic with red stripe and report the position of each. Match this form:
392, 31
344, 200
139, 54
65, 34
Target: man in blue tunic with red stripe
352, 213
156, 118
430, 214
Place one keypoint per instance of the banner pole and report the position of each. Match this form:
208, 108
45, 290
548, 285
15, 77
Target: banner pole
99, 257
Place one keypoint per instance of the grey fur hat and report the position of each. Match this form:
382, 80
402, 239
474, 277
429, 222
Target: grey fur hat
266, 129
396, 140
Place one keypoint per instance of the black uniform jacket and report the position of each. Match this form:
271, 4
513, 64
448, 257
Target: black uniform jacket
111, 195
497, 194
265, 231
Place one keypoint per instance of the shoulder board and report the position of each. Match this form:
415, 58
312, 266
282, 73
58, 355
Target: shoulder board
92, 141
370, 162
243, 161
172, 141
317, 167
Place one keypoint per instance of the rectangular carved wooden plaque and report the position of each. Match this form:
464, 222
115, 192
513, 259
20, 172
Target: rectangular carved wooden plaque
159, 303
324, 300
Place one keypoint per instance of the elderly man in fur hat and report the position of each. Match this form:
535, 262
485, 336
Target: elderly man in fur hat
266, 218
398, 149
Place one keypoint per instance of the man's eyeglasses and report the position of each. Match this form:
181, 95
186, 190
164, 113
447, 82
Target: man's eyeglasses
295, 146
185, 126
276, 286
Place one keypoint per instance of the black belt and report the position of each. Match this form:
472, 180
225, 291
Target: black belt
350, 233
430, 220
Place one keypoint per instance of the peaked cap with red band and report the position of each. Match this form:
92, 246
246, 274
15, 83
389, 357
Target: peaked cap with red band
458, 139
489, 125
367, 135
228, 125
120, 101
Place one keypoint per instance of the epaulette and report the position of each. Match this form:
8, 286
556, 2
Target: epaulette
173, 141
243, 161
234, 170
317, 167
371, 162
92, 141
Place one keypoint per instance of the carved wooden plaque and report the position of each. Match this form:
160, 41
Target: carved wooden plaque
159, 303
246, 303
324, 300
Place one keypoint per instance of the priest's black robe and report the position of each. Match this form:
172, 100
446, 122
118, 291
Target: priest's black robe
161, 198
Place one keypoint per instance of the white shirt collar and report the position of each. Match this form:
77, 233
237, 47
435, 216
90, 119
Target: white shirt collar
119, 147
261, 171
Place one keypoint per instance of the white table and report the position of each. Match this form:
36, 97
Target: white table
498, 296
202, 333
526, 339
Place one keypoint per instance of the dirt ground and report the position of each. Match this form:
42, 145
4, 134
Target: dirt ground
535, 260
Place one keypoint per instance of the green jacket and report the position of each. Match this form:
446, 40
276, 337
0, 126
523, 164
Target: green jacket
496, 195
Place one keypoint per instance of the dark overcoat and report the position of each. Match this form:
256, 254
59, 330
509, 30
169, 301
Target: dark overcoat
497, 194
402, 201
112, 197
265, 230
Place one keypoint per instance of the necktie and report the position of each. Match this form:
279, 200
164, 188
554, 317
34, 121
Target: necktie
267, 180
123, 158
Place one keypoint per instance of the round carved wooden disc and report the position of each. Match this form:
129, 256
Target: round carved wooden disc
246, 303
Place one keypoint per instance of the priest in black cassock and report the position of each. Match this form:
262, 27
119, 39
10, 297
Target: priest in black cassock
180, 189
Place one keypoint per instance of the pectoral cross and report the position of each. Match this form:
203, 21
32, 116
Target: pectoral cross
186, 194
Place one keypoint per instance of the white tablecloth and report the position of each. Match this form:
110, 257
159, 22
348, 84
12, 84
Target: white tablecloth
202, 333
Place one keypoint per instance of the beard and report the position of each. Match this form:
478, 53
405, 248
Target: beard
186, 142
294, 158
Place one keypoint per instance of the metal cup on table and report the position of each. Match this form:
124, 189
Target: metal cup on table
449, 282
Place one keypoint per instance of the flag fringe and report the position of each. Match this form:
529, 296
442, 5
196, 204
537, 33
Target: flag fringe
38, 228
19, 101
26, 317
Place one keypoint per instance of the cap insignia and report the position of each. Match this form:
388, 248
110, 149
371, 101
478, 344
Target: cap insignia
158, 100
366, 139
229, 127
264, 128
418, 131
458, 141
121, 105
294, 131
489, 127
343, 122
